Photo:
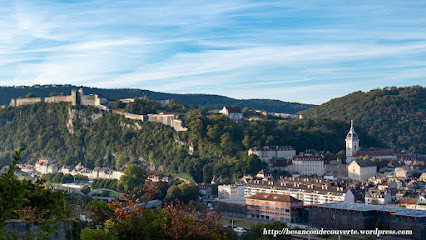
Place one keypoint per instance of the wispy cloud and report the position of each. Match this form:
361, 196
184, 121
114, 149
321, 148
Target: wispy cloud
306, 52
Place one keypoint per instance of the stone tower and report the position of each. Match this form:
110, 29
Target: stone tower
74, 97
352, 143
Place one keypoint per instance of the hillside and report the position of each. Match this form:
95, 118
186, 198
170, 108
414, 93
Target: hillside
71, 134
395, 115
202, 100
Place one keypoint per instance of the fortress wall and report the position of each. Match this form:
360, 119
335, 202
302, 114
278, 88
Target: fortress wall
161, 118
56, 99
177, 124
131, 115
88, 100
25, 101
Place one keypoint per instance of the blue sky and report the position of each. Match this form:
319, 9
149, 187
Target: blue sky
297, 51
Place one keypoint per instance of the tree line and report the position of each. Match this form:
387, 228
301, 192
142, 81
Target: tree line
394, 115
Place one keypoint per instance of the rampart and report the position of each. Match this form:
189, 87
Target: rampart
96, 100
25, 101
57, 99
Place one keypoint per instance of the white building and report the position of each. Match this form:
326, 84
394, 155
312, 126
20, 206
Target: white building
308, 165
362, 170
308, 192
273, 152
375, 196
352, 144
45, 166
232, 113
230, 191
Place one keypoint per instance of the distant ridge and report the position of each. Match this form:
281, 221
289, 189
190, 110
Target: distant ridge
202, 100
395, 115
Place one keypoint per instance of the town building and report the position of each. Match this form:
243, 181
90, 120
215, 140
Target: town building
275, 207
403, 172
336, 168
268, 153
378, 197
381, 154
352, 144
230, 191
233, 113
308, 165
362, 170
358, 216
45, 166
314, 191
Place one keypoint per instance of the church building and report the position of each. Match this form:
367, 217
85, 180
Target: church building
352, 144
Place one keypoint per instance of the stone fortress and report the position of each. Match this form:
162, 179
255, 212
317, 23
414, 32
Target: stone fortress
100, 101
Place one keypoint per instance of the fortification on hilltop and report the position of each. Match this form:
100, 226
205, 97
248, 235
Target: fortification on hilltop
76, 98
99, 101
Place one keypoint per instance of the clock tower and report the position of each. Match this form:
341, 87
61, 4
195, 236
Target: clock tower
352, 143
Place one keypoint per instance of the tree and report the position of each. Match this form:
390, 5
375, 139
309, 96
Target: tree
119, 105
28, 200
85, 189
11, 191
53, 94
226, 142
30, 95
246, 141
246, 111
377, 162
133, 178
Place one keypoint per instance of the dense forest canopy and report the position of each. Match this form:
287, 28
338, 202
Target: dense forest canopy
71, 134
202, 100
394, 115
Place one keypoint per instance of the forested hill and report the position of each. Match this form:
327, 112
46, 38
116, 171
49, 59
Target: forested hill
72, 134
203, 100
395, 115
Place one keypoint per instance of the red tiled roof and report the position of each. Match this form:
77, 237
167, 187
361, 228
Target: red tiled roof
407, 200
233, 109
274, 197
374, 153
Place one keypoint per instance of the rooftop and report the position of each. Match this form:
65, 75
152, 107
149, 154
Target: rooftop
274, 197
360, 207
365, 163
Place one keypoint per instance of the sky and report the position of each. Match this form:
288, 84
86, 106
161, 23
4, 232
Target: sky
295, 51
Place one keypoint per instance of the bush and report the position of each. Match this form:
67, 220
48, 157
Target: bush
91, 234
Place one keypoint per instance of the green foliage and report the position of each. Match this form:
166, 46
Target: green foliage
12, 192
92, 234
27, 200
219, 143
43, 130
86, 189
100, 211
53, 94
58, 177
395, 115
30, 95
133, 178
184, 192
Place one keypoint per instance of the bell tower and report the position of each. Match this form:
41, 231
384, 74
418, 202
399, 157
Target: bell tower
352, 143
